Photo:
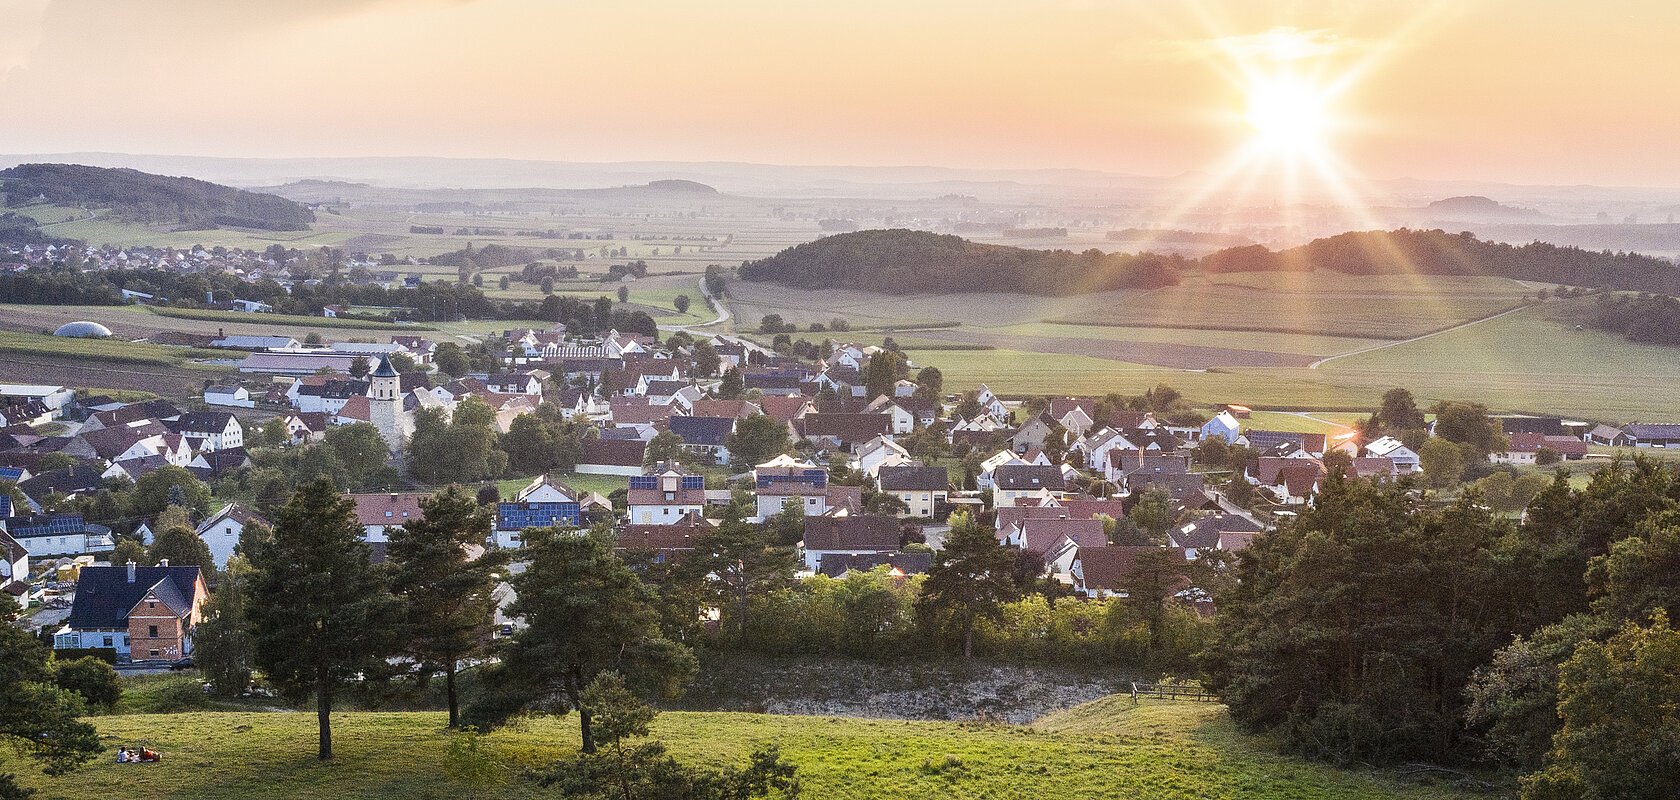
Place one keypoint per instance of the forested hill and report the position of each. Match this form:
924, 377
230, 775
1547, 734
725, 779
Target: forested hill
1436, 252
906, 262
152, 199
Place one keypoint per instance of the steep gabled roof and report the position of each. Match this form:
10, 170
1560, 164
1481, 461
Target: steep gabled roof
104, 595
704, 431
1027, 477
914, 478
864, 532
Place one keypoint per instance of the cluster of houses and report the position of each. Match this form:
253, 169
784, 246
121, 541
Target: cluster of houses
250, 265
864, 499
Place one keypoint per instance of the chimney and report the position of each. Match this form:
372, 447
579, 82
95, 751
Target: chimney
131, 572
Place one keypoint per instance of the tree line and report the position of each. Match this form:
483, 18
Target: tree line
903, 261
1436, 252
1379, 628
152, 199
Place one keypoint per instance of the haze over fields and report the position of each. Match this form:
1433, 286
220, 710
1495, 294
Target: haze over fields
1142, 399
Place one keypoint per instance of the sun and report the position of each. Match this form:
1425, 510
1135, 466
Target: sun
1289, 115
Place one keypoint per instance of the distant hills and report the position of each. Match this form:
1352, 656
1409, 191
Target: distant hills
910, 262
1476, 207
678, 185
1436, 252
134, 196
900, 261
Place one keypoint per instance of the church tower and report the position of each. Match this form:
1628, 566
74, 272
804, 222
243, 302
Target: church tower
385, 406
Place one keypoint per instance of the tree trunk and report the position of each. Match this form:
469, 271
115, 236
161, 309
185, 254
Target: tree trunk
449, 689
968, 639
323, 716
588, 737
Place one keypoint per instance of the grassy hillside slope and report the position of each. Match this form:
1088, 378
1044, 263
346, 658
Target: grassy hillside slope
1106, 749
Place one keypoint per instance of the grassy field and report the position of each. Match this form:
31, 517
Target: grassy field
214, 315
1106, 749
604, 484
116, 351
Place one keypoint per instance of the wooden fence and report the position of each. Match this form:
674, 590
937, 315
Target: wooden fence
1172, 691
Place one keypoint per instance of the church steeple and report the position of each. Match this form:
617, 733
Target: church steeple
387, 384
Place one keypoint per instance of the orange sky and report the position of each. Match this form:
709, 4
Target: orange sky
1529, 91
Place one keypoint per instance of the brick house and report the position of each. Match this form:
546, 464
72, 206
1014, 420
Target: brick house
143, 613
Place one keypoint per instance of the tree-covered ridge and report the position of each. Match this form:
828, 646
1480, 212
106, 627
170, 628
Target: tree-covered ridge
152, 199
900, 261
1436, 252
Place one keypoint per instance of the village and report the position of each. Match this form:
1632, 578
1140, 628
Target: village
863, 457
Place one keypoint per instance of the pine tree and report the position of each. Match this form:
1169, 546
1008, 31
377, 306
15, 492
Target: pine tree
445, 592
586, 613
320, 613
969, 581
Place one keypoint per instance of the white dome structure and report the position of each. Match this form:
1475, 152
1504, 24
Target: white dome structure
83, 330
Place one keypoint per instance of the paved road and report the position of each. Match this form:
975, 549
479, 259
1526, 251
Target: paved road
721, 306
1321, 362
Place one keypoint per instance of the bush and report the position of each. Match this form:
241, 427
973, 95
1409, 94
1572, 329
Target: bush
93, 679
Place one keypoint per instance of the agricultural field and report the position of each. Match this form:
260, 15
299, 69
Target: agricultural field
1106, 749
1255, 338
104, 364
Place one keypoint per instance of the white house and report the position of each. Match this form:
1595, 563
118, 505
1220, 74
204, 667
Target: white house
877, 453
1405, 461
14, 571
221, 530
234, 396
58, 534
55, 398
378, 512
666, 497
210, 430
1224, 425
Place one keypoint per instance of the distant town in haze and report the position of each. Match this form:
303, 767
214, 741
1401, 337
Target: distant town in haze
1336, 455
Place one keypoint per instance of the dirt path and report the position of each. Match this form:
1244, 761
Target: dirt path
1327, 359
721, 306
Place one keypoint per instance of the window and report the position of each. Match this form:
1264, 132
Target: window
154, 654
151, 631
107, 641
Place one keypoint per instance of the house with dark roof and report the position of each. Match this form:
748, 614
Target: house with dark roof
1653, 434
14, 570
142, 613
1213, 533
1311, 443
209, 430
542, 503
611, 456
841, 431
899, 565
1041, 536
865, 534
68, 481
704, 436
664, 541
1524, 448
1112, 571
58, 534
1013, 481
923, 489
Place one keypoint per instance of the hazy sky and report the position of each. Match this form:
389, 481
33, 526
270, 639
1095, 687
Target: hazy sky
1532, 91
